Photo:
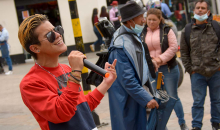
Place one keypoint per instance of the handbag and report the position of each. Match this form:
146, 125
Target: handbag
159, 117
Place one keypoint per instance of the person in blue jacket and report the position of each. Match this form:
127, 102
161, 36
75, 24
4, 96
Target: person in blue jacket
127, 97
4, 48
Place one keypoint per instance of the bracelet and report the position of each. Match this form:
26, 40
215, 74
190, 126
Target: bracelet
76, 71
71, 81
79, 80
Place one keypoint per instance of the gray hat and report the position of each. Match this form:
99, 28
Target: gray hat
130, 10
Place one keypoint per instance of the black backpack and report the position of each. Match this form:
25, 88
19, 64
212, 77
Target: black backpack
215, 26
94, 78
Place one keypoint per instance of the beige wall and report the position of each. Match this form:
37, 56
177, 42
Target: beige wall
85, 14
218, 5
9, 20
66, 22
85, 8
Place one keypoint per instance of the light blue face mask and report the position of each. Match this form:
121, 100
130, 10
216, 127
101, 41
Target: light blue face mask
138, 28
116, 7
202, 17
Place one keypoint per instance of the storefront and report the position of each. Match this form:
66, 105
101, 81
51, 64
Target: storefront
13, 12
182, 11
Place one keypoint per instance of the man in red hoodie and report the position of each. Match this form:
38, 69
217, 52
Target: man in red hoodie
51, 90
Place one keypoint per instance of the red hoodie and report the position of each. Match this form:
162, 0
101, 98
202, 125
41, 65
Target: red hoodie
55, 105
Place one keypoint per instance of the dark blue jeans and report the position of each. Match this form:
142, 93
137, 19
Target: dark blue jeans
199, 85
5, 54
171, 84
99, 36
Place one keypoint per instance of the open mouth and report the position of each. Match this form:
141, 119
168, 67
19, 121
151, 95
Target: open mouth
60, 42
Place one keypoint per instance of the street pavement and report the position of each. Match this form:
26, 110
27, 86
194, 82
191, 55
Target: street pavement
14, 115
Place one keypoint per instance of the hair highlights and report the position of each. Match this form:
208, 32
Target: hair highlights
26, 33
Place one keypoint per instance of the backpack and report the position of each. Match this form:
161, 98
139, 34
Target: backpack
94, 78
215, 26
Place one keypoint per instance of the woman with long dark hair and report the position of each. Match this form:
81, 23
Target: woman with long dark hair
164, 55
104, 12
95, 20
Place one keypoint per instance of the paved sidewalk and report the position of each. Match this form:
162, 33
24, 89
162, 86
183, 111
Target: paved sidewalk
14, 115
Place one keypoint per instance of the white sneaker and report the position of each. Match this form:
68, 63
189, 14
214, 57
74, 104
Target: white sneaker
102, 47
8, 73
92, 48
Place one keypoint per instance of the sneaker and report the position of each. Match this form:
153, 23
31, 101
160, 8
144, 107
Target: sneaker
184, 127
102, 47
215, 126
196, 128
92, 47
8, 73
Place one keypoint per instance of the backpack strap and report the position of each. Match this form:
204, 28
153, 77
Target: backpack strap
164, 30
216, 28
187, 34
123, 34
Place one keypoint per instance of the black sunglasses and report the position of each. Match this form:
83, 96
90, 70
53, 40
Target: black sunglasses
51, 35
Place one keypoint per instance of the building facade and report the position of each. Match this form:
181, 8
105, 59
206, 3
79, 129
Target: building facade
13, 12
62, 12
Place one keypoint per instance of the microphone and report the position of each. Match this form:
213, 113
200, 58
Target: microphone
95, 68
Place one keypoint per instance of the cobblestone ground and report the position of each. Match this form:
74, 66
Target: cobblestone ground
14, 115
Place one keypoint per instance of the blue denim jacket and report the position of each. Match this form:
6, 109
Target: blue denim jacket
127, 97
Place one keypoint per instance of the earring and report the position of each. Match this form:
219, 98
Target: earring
38, 51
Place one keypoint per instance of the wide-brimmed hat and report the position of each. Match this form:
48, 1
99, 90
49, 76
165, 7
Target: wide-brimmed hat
114, 3
130, 10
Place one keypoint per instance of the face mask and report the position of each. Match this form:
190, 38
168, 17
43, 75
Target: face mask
138, 28
201, 18
116, 7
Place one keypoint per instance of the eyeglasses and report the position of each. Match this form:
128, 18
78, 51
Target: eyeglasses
51, 36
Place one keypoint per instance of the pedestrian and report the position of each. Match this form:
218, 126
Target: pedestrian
5, 48
128, 99
165, 9
104, 12
157, 4
100, 40
51, 90
164, 53
114, 15
201, 61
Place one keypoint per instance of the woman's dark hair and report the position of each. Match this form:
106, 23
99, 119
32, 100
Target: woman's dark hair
104, 12
94, 13
156, 12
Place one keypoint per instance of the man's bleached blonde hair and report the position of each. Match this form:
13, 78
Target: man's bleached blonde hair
26, 33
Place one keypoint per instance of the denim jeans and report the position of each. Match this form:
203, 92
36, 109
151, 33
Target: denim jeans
171, 84
199, 85
99, 36
5, 54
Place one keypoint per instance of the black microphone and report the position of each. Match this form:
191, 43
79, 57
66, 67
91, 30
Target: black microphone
95, 68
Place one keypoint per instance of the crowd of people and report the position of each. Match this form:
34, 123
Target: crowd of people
52, 91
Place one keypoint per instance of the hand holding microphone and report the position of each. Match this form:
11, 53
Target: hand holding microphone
77, 61
95, 68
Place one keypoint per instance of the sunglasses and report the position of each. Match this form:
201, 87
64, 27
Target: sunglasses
51, 36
